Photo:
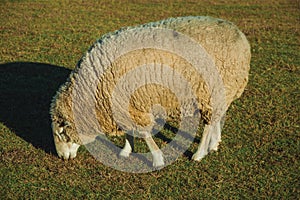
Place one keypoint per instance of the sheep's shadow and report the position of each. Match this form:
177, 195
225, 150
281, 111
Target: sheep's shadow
26, 90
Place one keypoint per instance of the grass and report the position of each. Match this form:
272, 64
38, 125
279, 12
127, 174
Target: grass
259, 154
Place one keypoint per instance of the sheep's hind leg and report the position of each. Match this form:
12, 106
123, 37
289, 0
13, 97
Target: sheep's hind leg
215, 137
210, 140
129, 145
157, 154
216, 134
204, 144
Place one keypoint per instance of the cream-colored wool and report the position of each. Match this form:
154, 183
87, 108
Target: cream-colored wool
227, 46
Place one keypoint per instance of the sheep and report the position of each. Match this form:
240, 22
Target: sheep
225, 47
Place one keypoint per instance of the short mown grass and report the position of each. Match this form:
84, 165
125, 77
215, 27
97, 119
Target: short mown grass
259, 154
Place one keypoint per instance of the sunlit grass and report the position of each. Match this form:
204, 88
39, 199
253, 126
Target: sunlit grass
259, 153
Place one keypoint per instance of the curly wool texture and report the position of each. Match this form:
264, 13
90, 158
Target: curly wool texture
227, 46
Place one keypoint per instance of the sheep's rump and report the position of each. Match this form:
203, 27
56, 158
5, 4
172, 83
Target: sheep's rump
225, 44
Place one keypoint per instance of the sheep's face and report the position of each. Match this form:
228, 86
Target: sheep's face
65, 148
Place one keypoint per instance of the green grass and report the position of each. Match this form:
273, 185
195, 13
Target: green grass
259, 154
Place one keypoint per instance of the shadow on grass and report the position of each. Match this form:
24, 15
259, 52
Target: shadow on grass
26, 90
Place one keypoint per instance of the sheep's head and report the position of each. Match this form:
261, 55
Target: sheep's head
65, 147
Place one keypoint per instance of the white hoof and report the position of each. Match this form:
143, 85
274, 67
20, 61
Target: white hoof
124, 153
158, 160
215, 147
198, 156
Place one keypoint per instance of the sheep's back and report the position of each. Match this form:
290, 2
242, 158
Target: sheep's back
226, 45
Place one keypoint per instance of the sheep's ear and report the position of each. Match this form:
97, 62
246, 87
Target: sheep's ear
58, 129
58, 132
67, 124
62, 136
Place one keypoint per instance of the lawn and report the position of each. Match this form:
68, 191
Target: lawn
259, 155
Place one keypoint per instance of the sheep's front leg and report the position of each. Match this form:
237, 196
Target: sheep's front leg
129, 145
157, 154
